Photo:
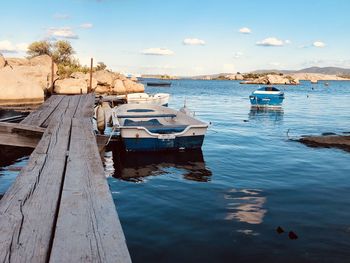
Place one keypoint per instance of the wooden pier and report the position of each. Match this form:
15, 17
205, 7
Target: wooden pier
60, 208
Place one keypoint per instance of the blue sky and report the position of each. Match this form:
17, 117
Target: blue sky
185, 37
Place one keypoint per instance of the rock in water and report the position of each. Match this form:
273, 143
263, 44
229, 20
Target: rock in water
279, 230
292, 235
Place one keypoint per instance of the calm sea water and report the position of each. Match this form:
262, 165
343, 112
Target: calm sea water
224, 203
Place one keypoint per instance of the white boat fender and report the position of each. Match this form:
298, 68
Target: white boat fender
101, 120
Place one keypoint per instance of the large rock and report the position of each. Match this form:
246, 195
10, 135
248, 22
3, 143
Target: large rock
17, 89
86, 77
71, 86
132, 87
2, 61
234, 77
15, 62
119, 87
100, 89
274, 80
104, 77
78, 75
43, 60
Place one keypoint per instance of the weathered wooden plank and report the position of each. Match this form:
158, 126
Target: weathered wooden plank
72, 101
28, 210
20, 127
88, 228
86, 106
18, 140
38, 117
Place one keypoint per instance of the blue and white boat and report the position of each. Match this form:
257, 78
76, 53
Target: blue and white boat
267, 97
147, 127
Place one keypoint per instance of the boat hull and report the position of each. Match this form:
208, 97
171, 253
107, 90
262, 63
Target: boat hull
155, 144
266, 100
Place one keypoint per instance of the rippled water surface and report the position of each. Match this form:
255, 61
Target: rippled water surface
224, 203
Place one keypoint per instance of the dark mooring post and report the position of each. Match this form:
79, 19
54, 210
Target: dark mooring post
52, 74
90, 85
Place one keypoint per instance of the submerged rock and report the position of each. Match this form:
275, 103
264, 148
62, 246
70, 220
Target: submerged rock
330, 141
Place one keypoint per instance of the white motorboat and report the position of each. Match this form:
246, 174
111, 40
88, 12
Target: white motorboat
144, 98
147, 127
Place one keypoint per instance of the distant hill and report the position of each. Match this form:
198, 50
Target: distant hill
318, 70
326, 70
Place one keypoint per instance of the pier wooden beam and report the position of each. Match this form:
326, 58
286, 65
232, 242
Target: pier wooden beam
20, 135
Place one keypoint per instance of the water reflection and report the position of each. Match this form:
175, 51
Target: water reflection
135, 167
245, 205
265, 114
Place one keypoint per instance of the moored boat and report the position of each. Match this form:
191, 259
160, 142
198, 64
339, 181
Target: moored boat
161, 99
267, 97
158, 84
146, 127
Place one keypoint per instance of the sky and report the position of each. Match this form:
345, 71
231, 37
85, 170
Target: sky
185, 37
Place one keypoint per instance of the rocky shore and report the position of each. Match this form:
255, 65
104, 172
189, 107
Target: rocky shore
26, 81
273, 78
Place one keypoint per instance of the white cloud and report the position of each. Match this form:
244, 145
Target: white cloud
238, 54
7, 46
272, 42
61, 16
194, 42
22, 47
86, 25
157, 51
245, 30
319, 44
62, 32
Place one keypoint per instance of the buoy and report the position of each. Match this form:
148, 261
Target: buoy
101, 121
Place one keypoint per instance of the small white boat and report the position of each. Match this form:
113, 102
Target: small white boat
146, 127
144, 98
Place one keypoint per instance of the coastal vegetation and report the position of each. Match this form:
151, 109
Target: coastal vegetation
62, 53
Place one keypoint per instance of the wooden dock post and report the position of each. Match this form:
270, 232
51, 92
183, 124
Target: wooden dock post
52, 75
91, 67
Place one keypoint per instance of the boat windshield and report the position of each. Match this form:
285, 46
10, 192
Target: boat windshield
269, 89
